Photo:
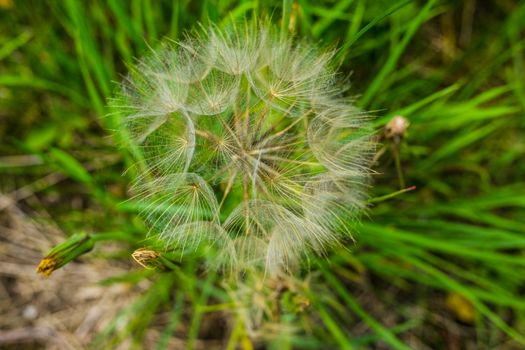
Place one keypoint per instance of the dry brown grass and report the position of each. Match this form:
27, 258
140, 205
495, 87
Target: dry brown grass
64, 311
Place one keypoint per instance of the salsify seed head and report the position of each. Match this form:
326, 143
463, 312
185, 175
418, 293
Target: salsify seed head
245, 146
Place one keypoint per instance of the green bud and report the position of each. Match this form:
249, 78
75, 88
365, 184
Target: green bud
65, 252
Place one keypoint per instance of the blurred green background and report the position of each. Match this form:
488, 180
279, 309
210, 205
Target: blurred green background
439, 267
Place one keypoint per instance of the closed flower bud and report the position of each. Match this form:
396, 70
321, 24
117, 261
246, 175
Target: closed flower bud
65, 252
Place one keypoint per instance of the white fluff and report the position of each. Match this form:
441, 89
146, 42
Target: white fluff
246, 148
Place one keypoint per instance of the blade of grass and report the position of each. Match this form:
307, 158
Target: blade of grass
13, 44
394, 56
343, 51
285, 20
385, 334
321, 25
175, 318
37, 83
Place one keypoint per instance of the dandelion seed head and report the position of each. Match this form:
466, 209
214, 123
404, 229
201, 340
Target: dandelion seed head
245, 147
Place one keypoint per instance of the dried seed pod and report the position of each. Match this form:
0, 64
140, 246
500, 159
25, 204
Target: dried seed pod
146, 257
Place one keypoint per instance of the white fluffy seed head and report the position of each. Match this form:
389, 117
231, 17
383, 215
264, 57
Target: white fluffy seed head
246, 147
